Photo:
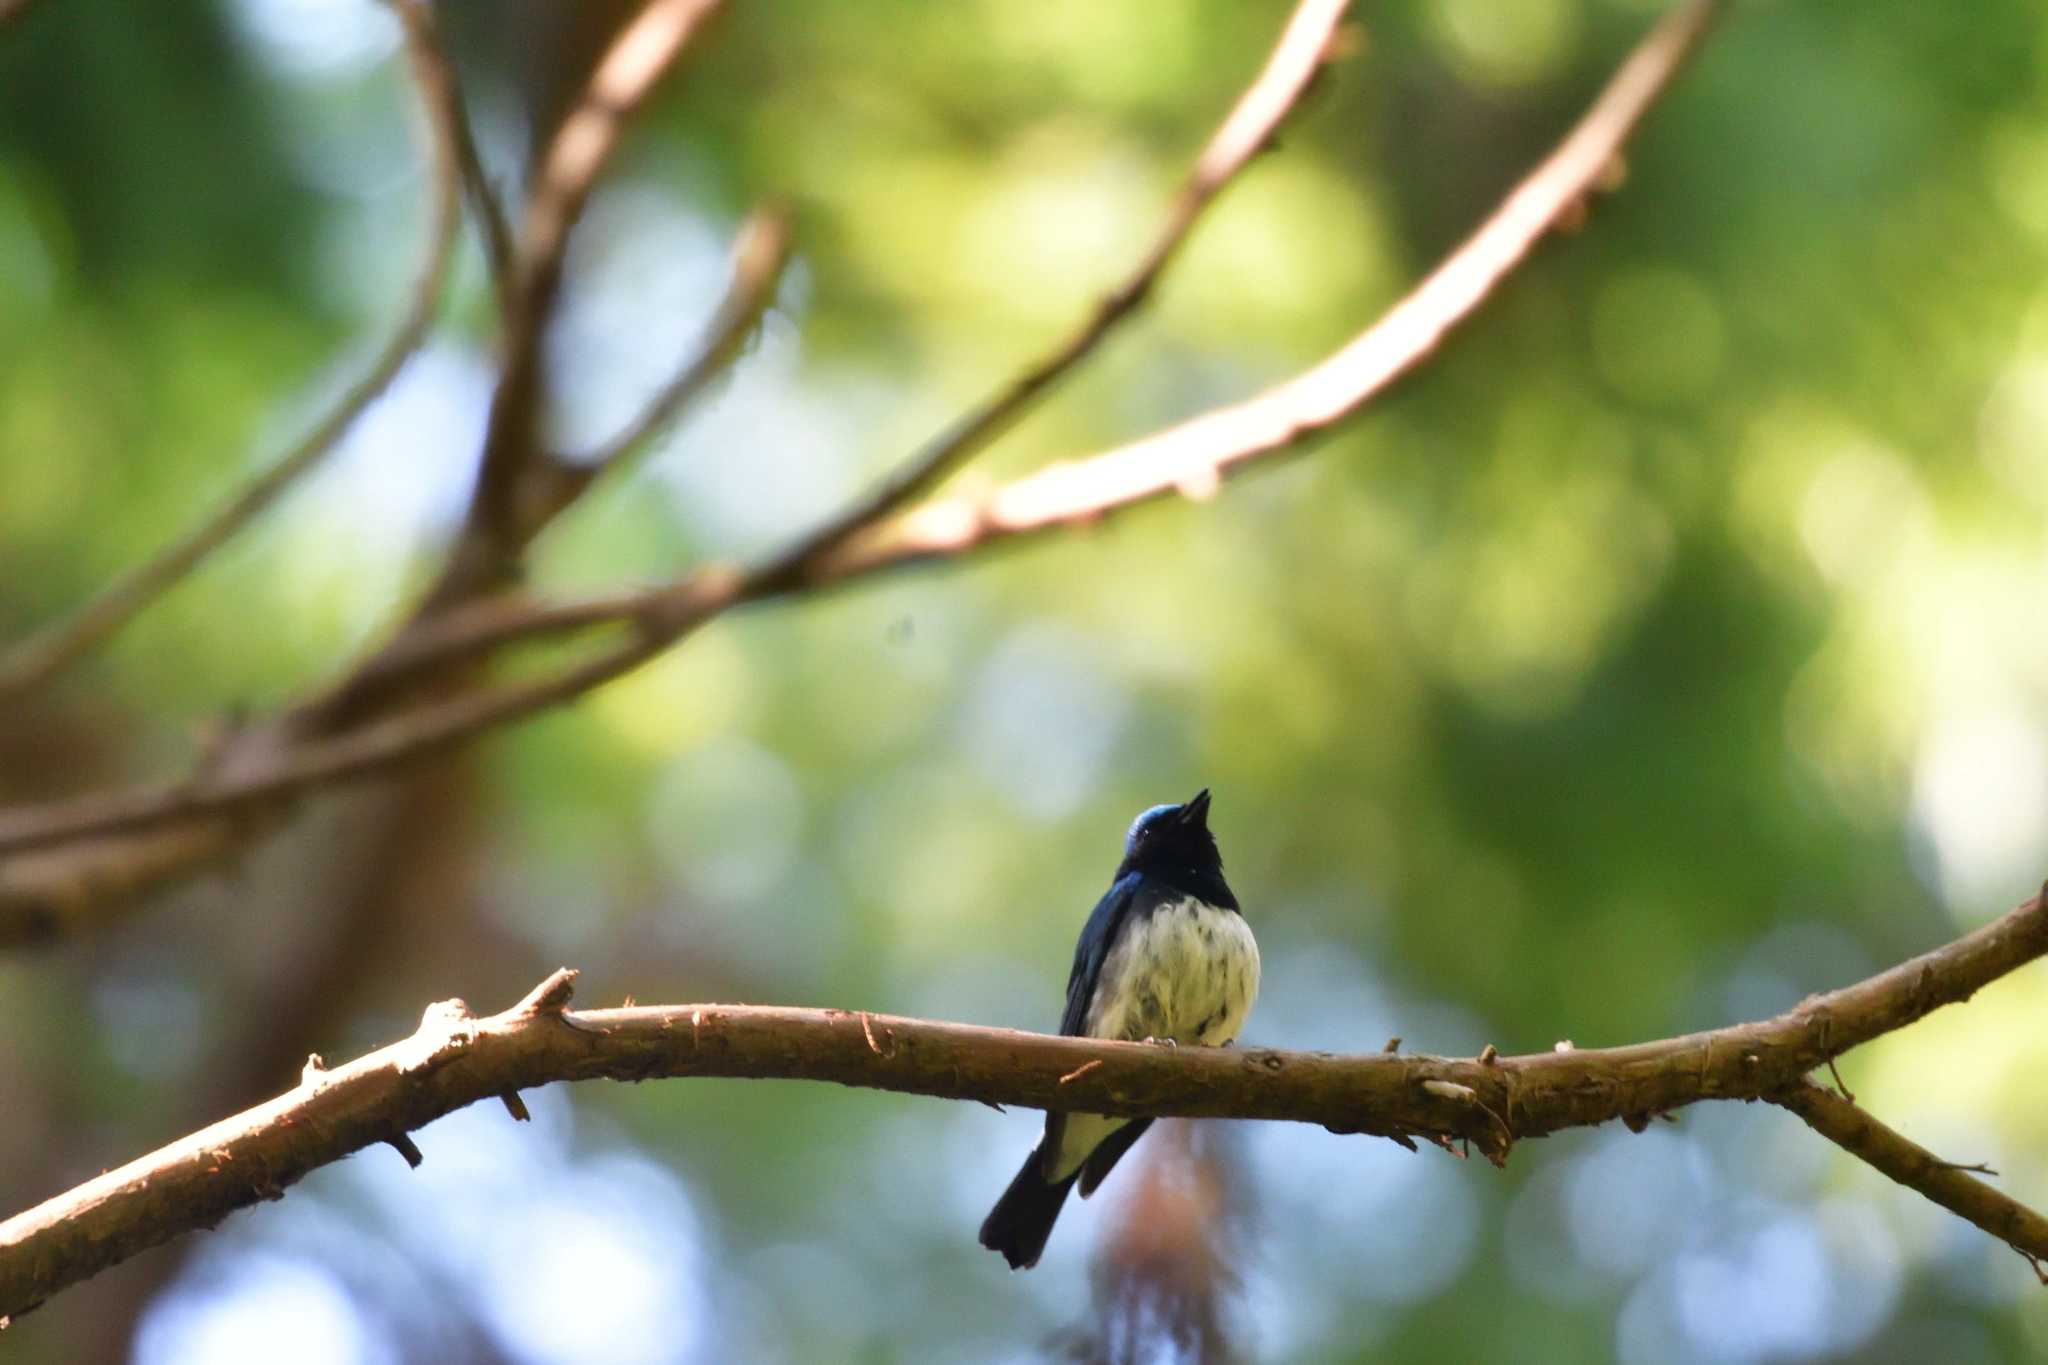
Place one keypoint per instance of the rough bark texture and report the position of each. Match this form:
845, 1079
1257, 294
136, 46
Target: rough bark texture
456, 1059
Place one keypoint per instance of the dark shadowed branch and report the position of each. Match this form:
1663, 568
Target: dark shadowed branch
501, 518
1492, 1101
32, 661
494, 233
57, 891
1189, 459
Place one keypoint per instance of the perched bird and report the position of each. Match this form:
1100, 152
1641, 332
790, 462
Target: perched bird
1165, 957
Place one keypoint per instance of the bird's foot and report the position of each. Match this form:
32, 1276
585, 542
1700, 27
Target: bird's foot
1161, 1042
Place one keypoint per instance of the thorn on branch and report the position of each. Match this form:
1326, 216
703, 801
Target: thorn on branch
313, 1070
1393, 1044
1571, 220
1489, 1055
446, 1015
867, 1029
551, 996
405, 1147
515, 1106
1078, 1072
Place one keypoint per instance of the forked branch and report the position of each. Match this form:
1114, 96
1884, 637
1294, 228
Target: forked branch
1190, 458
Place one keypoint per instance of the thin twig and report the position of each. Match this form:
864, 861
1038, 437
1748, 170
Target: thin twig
493, 231
1840, 1084
759, 253
1190, 457
1289, 70
1907, 1162
497, 527
760, 250
1304, 45
32, 661
456, 1059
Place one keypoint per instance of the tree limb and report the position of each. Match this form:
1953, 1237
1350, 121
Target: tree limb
456, 1059
499, 524
1859, 1134
44, 894
1304, 46
34, 660
1190, 458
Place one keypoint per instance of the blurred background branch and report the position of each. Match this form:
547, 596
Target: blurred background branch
502, 518
29, 663
1190, 458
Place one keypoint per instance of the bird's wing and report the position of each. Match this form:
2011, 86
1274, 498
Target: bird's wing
1093, 947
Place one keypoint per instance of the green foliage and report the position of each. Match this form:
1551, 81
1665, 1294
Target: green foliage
1671, 647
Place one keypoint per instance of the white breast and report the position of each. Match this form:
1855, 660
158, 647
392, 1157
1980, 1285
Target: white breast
1189, 972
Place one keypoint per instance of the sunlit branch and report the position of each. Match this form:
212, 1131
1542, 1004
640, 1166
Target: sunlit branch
1189, 458
32, 661
1292, 66
1304, 46
49, 892
1490, 1101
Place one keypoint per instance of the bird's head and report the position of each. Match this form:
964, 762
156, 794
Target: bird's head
1174, 836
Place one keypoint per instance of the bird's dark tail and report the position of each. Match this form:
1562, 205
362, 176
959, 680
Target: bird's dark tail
1022, 1219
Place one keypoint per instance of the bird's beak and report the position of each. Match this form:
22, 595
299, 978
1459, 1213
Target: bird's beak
1196, 811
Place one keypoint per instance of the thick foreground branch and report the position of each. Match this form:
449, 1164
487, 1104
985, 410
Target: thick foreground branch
456, 1059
